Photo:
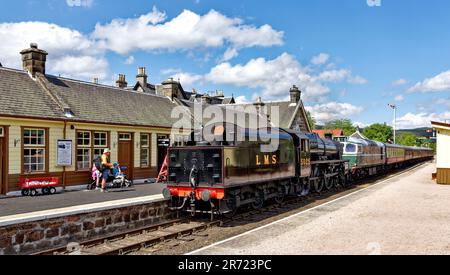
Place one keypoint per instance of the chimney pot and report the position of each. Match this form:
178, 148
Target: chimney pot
121, 82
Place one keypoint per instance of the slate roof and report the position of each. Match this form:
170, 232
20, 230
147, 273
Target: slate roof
23, 96
50, 97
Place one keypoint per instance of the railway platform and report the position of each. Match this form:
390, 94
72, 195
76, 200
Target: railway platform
406, 214
10, 206
30, 224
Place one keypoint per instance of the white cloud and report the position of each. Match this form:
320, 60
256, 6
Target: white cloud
334, 75
186, 31
242, 100
357, 80
230, 53
443, 101
399, 82
438, 83
320, 59
84, 67
411, 121
61, 43
187, 80
129, 60
80, 3
275, 77
333, 110
399, 98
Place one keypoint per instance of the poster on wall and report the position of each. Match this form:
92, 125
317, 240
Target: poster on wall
64, 153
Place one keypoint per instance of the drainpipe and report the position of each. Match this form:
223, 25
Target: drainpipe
64, 167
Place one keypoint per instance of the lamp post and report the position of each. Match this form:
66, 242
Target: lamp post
394, 107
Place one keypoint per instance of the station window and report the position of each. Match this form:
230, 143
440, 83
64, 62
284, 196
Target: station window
100, 143
124, 136
34, 150
145, 150
83, 150
90, 145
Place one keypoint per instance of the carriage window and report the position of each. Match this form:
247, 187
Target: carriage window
1, 132
350, 148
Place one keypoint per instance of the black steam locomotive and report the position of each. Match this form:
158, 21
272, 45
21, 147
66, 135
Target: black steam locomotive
244, 167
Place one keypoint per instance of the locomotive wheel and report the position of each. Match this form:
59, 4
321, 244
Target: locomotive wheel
45, 190
318, 185
280, 198
52, 190
306, 188
259, 201
25, 192
231, 205
328, 183
336, 183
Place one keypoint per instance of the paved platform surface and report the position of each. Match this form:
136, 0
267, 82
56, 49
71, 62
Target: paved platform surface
22, 205
408, 214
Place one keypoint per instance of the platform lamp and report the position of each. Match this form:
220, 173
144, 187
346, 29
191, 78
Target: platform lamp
394, 107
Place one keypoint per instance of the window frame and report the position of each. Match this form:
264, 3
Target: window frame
125, 139
148, 147
92, 147
2, 131
44, 146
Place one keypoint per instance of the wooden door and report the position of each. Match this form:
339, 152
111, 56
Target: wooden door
125, 155
2, 189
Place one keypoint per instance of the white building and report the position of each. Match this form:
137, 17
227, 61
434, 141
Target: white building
443, 152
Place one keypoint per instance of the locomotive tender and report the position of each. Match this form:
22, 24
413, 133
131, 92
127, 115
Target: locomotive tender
219, 177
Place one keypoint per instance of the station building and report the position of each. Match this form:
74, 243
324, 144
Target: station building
443, 152
37, 110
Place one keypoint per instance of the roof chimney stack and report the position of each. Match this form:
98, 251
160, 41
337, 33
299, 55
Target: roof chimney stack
121, 82
295, 95
95, 80
33, 59
142, 77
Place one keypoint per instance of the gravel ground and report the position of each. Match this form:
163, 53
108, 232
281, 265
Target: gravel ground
409, 214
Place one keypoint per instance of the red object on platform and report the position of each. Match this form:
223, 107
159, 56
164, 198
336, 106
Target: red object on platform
164, 173
36, 183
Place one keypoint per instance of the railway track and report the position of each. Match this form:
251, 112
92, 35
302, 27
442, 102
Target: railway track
164, 236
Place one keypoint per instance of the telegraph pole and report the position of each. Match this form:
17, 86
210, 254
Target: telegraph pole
394, 107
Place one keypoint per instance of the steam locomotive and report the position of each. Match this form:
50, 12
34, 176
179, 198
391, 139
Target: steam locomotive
240, 167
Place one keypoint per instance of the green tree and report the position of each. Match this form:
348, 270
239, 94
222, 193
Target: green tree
344, 124
407, 139
379, 132
311, 120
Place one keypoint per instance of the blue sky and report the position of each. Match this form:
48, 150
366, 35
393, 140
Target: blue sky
349, 58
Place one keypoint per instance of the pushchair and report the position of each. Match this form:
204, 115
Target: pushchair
117, 179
